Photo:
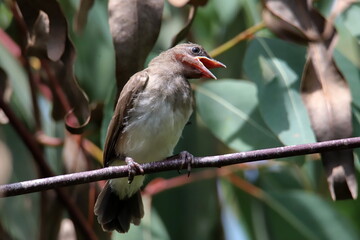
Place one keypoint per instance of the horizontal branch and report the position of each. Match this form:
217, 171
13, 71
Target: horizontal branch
175, 164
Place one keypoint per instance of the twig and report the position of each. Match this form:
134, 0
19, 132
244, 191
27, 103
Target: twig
238, 38
175, 164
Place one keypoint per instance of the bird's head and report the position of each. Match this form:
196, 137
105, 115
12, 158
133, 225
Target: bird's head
189, 59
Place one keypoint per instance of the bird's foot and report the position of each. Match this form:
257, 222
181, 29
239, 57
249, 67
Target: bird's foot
134, 168
187, 159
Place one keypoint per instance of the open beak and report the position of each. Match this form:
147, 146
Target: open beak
206, 63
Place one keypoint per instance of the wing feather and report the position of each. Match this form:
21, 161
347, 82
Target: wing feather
131, 90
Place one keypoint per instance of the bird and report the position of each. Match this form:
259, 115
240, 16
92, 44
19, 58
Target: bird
151, 112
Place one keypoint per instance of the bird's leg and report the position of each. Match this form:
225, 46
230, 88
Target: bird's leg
186, 158
134, 167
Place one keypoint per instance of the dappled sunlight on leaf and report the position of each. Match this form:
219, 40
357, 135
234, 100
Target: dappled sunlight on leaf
239, 125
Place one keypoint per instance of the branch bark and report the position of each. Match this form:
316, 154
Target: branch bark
42, 184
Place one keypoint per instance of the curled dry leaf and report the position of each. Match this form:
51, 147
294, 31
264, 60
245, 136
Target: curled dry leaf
327, 97
82, 14
39, 36
48, 32
183, 32
181, 3
135, 26
294, 21
77, 118
324, 89
52, 34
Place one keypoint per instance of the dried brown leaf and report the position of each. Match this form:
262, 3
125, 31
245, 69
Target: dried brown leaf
295, 20
57, 28
54, 32
49, 38
324, 89
38, 37
135, 26
79, 115
184, 32
327, 97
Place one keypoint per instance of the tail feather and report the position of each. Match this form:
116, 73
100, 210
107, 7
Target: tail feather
114, 213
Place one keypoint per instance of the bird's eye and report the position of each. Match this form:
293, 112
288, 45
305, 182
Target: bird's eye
195, 50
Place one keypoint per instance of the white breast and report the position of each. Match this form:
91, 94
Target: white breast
153, 130
154, 133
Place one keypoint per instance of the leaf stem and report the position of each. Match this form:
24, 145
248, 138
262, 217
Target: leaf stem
248, 33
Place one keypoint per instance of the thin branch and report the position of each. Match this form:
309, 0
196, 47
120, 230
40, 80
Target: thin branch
248, 33
175, 164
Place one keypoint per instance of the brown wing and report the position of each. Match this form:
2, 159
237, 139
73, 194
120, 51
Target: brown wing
134, 86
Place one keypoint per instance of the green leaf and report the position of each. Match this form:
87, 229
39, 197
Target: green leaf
348, 43
54, 129
351, 73
19, 216
108, 113
21, 100
234, 221
276, 66
5, 16
229, 109
190, 211
350, 18
227, 9
301, 215
95, 59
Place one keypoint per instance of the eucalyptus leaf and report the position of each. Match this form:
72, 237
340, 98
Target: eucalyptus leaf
276, 66
229, 109
19, 215
233, 221
351, 73
306, 216
350, 18
348, 42
21, 99
190, 211
95, 74
107, 114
